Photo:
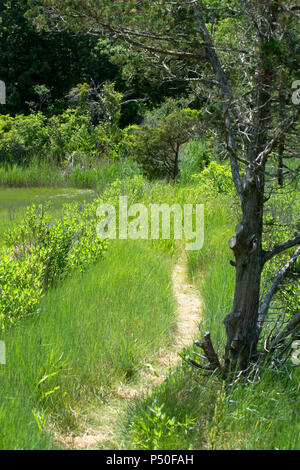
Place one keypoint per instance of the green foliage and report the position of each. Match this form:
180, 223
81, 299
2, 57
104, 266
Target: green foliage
93, 331
21, 287
135, 188
57, 61
156, 145
69, 138
155, 429
101, 102
72, 137
43, 68
14, 203
281, 218
173, 416
22, 137
41, 252
153, 116
215, 179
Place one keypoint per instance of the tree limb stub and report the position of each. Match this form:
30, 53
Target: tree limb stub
209, 351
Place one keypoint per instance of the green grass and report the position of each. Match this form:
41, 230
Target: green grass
110, 321
13, 202
36, 175
210, 270
43, 174
174, 416
186, 396
262, 415
92, 332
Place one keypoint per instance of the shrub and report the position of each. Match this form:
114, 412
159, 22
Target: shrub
69, 138
41, 252
215, 179
156, 145
22, 137
20, 287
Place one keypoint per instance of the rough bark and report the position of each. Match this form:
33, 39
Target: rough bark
240, 324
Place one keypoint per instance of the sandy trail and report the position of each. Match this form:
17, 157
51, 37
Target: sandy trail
103, 432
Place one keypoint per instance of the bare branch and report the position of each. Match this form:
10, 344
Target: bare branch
175, 54
292, 325
280, 276
228, 102
280, 247
285, 126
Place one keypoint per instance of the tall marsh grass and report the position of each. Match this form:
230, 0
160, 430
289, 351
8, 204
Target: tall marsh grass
98, 329
43, 174
92, 332
264, 414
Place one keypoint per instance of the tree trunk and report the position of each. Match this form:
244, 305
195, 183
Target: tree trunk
282, 139
241, 323
176, 162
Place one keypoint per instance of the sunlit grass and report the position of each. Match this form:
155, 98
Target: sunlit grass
262, 415
96, 176
97, 330
13, 202
92, 332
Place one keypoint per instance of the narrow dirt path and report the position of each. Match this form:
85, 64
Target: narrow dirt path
101, 423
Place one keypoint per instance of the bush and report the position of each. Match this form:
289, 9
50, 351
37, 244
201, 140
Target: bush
156, 145
215, 179
23, 137
41, 252
20, 287
70, 138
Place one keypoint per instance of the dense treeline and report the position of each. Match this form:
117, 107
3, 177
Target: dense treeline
40, 68
57, 61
